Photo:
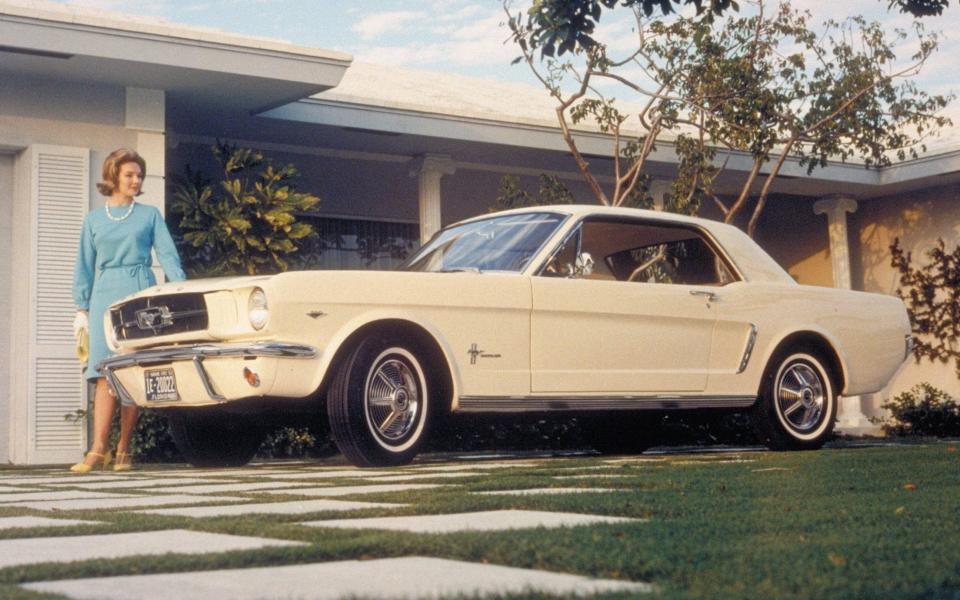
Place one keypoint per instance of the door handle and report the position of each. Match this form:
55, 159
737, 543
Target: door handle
710, 296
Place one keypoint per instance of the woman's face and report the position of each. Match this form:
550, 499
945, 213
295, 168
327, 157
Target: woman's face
129, 180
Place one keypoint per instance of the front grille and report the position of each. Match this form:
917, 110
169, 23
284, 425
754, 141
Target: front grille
159, 315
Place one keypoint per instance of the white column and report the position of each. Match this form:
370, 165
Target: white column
429, 169
659, 188
836, 209
146, 114
850, 417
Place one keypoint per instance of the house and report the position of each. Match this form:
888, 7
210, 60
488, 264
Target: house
392, 153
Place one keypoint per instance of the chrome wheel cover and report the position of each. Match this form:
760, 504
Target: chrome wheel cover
392, 398
800, 396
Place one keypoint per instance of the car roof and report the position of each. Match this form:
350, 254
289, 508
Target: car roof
750, 259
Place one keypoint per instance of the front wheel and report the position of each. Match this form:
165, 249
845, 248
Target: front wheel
208, 437
797, 406
379, 402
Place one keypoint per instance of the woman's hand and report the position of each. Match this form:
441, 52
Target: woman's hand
80, 322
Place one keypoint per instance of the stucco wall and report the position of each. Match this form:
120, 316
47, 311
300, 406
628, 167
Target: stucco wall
918, 219
6, 266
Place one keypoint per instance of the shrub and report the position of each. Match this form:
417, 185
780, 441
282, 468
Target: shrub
922, 410
246, 223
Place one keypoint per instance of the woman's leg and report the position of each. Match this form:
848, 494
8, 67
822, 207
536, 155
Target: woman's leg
128, 421
104, 403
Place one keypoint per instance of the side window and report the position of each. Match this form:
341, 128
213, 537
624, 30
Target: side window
640, 252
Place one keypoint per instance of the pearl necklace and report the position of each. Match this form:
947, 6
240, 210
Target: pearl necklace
129, 212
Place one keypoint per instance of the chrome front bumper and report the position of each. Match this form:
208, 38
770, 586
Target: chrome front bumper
196, 354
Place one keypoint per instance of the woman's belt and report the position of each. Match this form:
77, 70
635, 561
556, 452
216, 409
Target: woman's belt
140, 271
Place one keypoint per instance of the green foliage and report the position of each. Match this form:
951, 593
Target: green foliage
246, 222
922, 411
567, 25
296, 442
931, 292
151, 441
511, 195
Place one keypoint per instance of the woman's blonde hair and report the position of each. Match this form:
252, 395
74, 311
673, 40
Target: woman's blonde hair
111, 169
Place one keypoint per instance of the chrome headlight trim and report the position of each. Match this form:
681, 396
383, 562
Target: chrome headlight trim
258, 312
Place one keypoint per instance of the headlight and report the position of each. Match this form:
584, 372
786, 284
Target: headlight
257, 310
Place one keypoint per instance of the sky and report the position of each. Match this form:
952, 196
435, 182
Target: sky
468, 37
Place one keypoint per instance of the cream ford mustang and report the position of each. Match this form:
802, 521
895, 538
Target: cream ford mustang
604, 313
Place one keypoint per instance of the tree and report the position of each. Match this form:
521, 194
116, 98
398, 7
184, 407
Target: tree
931, 292
246, 223
759, 86
563, 25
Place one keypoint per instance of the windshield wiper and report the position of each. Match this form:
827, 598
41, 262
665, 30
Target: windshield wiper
461, 270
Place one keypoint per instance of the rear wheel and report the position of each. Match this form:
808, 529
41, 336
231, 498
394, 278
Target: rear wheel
379, 402
797, 406
209, 437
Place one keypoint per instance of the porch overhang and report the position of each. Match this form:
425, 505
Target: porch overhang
194, 66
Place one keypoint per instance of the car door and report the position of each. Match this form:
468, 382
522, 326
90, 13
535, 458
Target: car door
625, 307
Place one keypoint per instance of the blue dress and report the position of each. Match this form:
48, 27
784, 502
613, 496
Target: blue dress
113, 261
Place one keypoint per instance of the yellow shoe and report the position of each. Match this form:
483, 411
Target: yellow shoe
83, 467
124, 462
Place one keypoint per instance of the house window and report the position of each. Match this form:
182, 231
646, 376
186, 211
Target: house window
356, 244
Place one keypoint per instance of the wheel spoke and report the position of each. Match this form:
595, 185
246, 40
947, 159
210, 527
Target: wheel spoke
382, 376
381, 401
391, 418
793, 408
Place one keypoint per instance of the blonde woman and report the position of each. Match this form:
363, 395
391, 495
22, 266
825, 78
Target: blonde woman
114, 261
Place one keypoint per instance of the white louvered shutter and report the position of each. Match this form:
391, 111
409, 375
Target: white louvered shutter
61, 180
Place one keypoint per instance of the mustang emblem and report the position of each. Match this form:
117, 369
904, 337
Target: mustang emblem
154, 318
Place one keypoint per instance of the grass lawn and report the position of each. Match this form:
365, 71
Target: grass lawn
864, 522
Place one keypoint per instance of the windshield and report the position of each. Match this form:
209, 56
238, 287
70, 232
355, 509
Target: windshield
504, 243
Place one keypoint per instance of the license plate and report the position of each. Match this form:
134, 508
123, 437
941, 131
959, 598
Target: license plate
161, 385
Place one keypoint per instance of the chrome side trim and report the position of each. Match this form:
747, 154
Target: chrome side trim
748, 350
518, 404
167, 355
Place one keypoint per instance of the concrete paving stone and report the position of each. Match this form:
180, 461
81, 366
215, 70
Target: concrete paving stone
218, 473
269, 508
127, 501
712, 462
56, 495
359, 489
596, 476
26, 551
67, 477
248, 486
7, 489
542, 491
412, 577
769, 469
475, 466
147, 483
495, 520
31, 522
636, 459
335, 474
419, 476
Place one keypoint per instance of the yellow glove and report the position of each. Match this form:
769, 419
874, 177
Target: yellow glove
82, 334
